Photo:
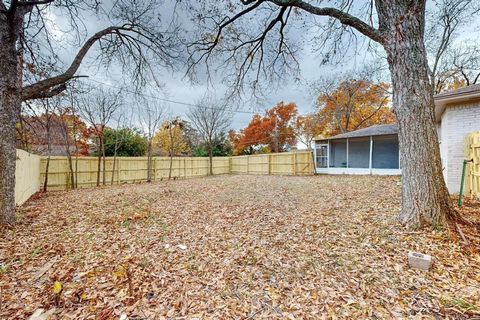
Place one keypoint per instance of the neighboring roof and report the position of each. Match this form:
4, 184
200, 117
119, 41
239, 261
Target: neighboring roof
377, 130
462, 95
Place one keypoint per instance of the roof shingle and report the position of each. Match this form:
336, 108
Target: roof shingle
376, 130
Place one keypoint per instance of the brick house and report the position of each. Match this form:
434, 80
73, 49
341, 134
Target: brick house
374, 150
457, 114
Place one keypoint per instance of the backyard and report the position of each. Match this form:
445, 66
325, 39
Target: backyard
232, 246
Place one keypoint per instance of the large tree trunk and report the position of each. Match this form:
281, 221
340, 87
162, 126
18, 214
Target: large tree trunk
425, 199
9, 112
9, 109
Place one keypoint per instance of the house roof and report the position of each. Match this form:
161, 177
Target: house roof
442, 100
376, 130
462, 95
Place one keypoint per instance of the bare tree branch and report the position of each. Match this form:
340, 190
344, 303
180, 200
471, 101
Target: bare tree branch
41, 88
344, 17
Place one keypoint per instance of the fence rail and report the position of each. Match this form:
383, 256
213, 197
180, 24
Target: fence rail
472, 152
134, 169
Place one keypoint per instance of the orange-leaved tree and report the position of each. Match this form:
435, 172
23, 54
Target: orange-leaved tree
170, 139
272, 132
308, 127
355, 104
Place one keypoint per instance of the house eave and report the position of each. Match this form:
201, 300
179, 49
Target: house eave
443, 100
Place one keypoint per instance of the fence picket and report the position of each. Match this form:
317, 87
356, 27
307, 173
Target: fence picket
134, 169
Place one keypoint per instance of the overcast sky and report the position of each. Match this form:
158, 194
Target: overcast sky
177, 88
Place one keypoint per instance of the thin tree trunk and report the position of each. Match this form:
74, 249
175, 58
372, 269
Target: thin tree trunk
75, 145
45, 181
69, 156
425, 199
113, 166
9, 113
149, 161
49, 151
70, 166
313, 158
171, 151
171, 163
114, 158
104, 163
210, 158
23, 137
99, 156
76, 170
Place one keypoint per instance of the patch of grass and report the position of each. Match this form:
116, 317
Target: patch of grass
459, 304
78, 257
36, 252
144, 263
89, 236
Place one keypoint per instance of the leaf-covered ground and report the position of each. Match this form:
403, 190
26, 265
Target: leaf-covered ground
232, 247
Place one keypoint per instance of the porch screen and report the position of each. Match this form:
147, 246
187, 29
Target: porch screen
359, 152
385, 152
338, 153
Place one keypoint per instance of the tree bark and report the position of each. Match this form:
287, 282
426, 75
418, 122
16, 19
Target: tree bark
99, 157
114, 162
71, 173
170, 166
313, 158
149, 161
70, 166
9, 110
45, 181
172, 149
210, 158
9, 113
425, 198
104, 163
49, 151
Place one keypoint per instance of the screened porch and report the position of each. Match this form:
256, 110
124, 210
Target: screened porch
377, 154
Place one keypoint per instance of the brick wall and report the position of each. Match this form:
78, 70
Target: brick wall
457, 122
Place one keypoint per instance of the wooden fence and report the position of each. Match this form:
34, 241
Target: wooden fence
27, 173
134, 169
287, 163
472, 152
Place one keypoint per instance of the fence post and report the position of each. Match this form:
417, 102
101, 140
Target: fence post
119, 172
248, 164
269, 164
294, 163
66, 180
